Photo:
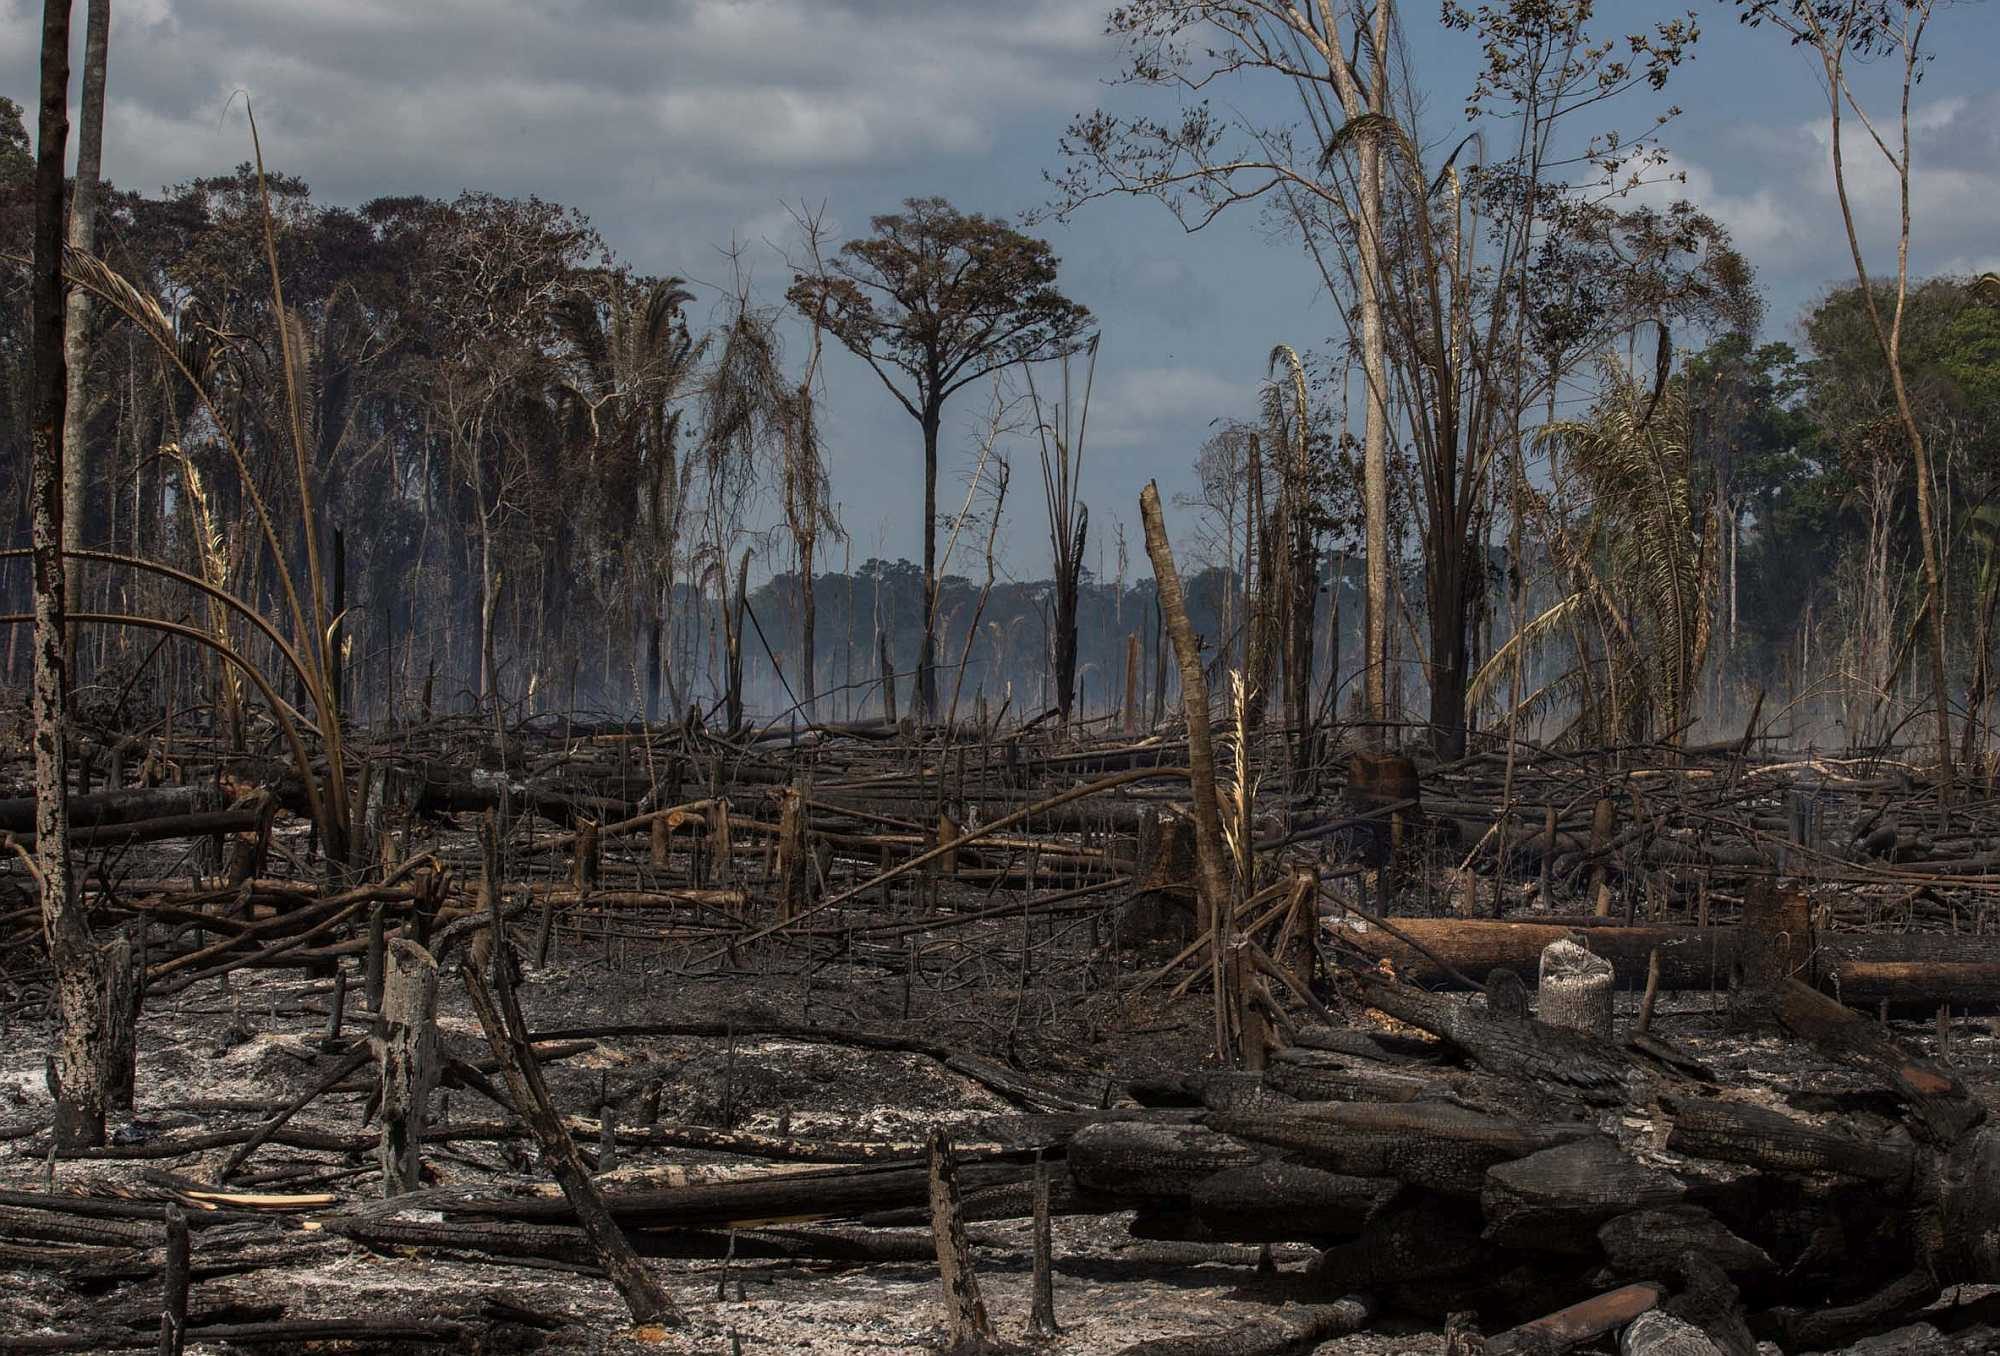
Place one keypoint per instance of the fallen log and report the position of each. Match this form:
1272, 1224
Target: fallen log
1428, 1144
1288, 1329
102, 808
1651, 1242
1738, 1132
1556, 1200
1579, 1323
1540, 1055
1272, 1201
1136, 1160
1913, 969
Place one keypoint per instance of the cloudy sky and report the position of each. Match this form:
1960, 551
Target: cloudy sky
681, 125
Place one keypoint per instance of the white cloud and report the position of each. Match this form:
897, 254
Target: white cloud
1780, 203
625, 107
1164, 407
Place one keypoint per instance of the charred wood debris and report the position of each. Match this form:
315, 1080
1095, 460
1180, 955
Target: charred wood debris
1680, 1049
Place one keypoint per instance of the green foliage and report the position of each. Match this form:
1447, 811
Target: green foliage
1641, 555
945, 297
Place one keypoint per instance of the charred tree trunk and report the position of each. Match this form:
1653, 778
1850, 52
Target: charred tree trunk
808, 639
732, 632
1450, 606
1214, 880
923, 701
76, 315
77, 1067
1069, 580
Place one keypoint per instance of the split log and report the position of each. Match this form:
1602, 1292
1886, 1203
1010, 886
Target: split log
1942, 1108
1313, 1077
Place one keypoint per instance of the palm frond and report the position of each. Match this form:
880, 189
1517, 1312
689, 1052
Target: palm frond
1532, 634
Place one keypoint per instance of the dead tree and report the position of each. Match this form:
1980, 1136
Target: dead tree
1217, 908
77, 1067
1061, 438
76, 315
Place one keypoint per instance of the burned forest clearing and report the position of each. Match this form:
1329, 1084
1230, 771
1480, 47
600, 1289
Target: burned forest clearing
1472, 831
760, 1018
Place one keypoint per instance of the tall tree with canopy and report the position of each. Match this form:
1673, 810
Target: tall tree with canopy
934, 300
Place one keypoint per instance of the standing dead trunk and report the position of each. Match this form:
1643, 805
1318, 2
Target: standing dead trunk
76, 314
923, 700
123, 986
1451, 592
732, 638
490, 582
406, 1047
1132, 682
1213, 881
808, 640
1375, 377
77, 1067
967, 1328
653, 669
888, 679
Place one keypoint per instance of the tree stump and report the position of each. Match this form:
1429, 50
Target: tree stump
947, 834
124, 989
795, 858
1657, 1334
721, 851
1575, 990
587, 864
1376, 781
1162, 908
967, 1328
406, 1047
